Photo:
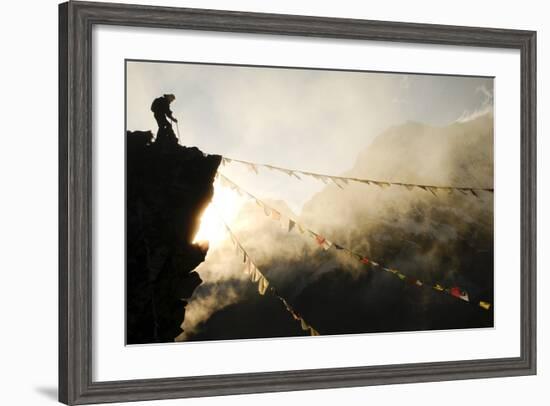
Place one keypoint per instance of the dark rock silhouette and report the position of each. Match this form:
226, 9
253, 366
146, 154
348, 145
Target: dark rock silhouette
168, 187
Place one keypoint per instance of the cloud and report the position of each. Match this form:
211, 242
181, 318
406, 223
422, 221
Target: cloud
485, 107
317, 120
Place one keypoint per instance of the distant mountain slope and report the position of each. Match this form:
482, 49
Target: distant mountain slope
446, 238
460, 154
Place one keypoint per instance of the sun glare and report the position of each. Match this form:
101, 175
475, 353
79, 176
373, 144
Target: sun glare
224, 203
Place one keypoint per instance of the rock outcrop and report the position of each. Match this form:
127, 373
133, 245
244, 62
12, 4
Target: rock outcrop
168, 187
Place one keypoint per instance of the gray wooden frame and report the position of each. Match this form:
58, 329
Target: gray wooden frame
76, 20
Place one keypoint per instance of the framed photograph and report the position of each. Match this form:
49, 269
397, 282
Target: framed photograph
259, 202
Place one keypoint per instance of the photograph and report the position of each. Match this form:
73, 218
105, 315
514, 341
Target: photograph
266, 202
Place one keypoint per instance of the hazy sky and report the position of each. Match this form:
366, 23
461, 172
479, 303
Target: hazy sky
314, 120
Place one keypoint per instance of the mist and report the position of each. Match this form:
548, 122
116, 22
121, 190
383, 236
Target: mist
446, 239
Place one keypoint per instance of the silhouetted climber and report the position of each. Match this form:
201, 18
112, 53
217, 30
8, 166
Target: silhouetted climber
161, 111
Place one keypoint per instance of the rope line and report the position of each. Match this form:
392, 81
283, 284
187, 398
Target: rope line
323, 242
263, 284
339, 180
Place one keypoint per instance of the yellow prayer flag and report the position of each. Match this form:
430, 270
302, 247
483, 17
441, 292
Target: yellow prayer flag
439, 287
262, 285
255, 275
485, 305
304, 325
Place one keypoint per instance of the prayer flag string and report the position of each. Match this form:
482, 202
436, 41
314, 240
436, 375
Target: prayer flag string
264, 285
289, 224
341, 181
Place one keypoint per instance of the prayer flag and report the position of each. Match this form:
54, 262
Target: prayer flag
285, 223
304, 325
365, 260
291, 173
262, 285
439, 287
267, 211
323, 242
275, 214
456, 292
431, 189
334, 180
485, 305
291, 224
248, 266
354, 255
253, 167
320, 177
313, 332
255, 274
401, 276
381, 184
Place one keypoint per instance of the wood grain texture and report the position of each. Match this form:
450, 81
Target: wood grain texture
76, 20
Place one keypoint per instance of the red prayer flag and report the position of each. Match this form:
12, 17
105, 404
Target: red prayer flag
365, 260
456, 292
320, 239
